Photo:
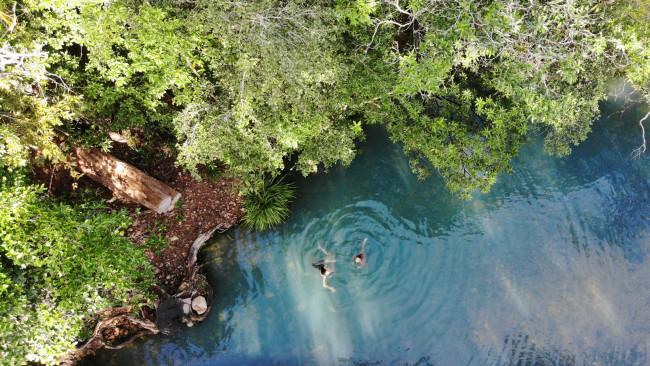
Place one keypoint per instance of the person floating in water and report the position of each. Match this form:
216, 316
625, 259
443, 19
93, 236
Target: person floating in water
360, 259
325, 271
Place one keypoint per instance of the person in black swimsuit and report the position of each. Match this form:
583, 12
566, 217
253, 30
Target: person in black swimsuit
360, 259
320, 266
324, 270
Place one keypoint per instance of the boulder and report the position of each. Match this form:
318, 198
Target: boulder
199, 305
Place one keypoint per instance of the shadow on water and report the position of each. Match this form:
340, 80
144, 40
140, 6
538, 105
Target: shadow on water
423, 204
549, 268
600, 179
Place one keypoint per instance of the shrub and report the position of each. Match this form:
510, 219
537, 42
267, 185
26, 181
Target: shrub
268, 204
59, 265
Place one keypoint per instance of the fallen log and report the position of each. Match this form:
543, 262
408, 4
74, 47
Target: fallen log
126, 181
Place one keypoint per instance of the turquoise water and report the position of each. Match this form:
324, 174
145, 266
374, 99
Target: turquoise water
550, 268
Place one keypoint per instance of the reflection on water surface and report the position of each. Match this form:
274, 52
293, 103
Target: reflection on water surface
550, 268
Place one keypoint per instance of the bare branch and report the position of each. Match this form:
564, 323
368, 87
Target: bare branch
9, 56
9, 20
636, 154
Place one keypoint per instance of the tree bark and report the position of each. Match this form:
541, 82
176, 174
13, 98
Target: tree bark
126, 181
117, 321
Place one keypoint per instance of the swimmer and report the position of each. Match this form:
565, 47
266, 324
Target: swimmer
324, 270
360, 259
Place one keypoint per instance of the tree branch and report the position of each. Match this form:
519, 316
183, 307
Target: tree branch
636, 153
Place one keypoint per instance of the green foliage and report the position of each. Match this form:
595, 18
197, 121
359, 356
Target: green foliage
35, 102
59, 265
178, 208
465, 89
244, 86
136, 55
157, 241
357, 13
268, 204
274, 90
30, 111
251, 86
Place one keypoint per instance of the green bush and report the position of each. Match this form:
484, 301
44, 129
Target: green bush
268, 204
258, 87
59, 265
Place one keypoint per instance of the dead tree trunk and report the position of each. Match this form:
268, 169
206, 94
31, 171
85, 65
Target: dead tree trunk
115, 329
126, 181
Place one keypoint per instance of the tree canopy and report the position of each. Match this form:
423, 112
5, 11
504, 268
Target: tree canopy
472, 78
263, 86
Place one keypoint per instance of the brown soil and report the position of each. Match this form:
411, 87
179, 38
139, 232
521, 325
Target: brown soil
204, 205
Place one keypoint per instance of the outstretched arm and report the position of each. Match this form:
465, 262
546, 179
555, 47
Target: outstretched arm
363, 245
328, 257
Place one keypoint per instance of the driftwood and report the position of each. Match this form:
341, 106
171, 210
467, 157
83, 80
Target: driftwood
195, 287
118, 329
117, 137
198, 243
126, 181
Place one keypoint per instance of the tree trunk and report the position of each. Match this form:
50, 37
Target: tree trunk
117, 330
125, 180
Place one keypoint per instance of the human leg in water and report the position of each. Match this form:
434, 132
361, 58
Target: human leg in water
325, 277
325, 273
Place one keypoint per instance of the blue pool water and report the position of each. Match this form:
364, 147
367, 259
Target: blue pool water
550, 268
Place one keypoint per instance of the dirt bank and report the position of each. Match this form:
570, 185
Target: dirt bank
204, 205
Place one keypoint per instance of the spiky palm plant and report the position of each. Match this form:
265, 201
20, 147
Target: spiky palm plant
268, 205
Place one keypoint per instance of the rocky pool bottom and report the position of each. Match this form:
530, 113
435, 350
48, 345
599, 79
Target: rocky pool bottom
550, 268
